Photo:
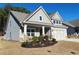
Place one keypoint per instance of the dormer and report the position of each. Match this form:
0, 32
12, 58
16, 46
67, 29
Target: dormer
56, 18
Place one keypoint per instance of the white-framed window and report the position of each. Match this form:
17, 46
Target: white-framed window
30, 31
57, 22
60, 22
54, 21
40, 17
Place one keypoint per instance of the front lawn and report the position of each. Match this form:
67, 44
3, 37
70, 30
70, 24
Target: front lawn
61, 48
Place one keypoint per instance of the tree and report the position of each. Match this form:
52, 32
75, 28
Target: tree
4, 14
8, 7
3, 17
20, 9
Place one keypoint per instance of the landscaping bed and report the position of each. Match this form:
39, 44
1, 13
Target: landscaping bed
39, 42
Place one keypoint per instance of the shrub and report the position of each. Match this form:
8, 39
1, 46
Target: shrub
35, 39
54, 40
39, 42
24, 44
46, 37
40, 38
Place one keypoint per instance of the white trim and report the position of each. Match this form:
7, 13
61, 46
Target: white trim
25, 29
59, 15
32, 14
36, 11
20, 33
43, 30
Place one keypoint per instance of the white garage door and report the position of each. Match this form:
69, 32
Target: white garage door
59, 34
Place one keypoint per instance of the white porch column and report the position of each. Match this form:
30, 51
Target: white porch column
43, 30
25, 29
51, 32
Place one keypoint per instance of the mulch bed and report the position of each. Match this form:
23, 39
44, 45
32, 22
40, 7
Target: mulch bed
37, 45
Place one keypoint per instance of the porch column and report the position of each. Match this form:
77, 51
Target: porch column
43, 30
25, 29
50, 32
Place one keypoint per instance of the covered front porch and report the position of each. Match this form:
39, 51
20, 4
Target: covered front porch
37, 30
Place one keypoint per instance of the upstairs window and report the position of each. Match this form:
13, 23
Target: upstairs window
40, 18
56, 22
59, 22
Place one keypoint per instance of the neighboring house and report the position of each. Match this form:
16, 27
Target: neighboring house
35, 24
76, 24
70, 29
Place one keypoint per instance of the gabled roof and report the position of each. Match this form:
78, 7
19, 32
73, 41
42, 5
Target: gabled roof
23, 17
36, 12
20, 15
56, 16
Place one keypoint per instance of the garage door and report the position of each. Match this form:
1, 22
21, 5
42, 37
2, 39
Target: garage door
59, 34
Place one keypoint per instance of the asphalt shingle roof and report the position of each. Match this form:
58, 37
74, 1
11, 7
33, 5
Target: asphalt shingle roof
20, 15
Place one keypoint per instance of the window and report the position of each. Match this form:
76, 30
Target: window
54, 21
30, 31
59, 22
40, 17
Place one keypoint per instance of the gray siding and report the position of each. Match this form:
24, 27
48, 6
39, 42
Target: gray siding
70, 31
13, 30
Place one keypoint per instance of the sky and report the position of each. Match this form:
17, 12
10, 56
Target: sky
68, 11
